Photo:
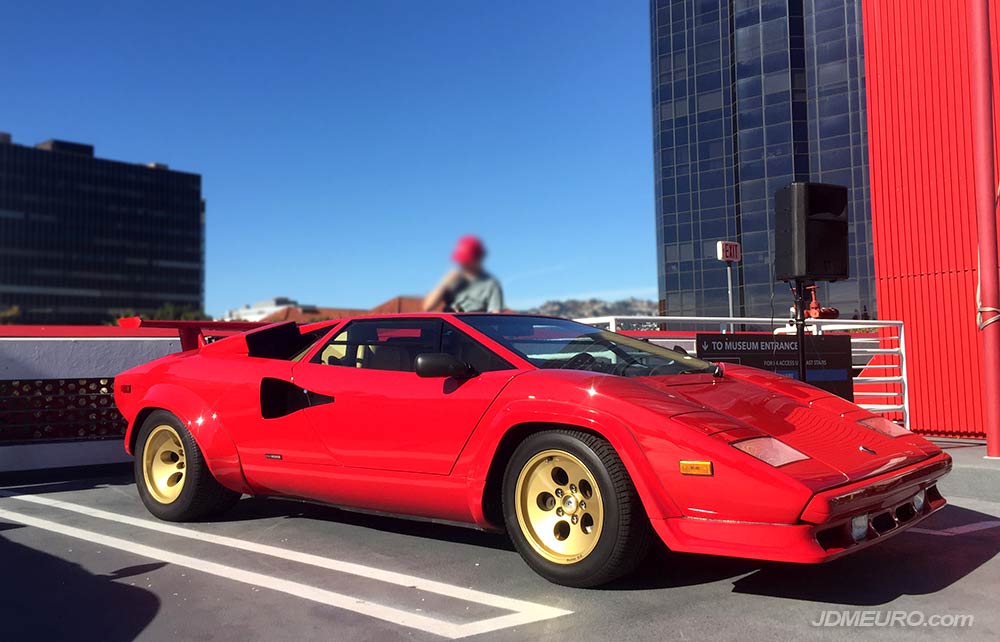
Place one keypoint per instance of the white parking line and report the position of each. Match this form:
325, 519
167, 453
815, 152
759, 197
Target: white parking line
351, 568
524, 612
389, 614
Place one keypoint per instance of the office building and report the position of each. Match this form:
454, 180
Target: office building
748, 96
84, 239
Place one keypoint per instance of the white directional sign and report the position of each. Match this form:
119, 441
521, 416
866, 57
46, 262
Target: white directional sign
728, 251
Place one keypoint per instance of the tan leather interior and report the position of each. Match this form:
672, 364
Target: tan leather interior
367, 352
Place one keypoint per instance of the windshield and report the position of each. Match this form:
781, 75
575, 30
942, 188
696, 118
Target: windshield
558, 343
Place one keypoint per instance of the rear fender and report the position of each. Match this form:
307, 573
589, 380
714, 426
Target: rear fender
208, 431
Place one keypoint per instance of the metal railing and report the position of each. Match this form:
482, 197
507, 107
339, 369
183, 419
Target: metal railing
879, 355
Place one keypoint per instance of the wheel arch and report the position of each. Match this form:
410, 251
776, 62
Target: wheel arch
208, 431
655, 500
133, 429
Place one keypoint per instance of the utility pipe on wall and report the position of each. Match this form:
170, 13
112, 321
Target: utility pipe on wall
986, 217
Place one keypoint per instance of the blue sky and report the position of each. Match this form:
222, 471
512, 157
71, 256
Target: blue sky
345, 145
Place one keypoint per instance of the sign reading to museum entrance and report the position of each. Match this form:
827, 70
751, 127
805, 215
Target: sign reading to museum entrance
828, 356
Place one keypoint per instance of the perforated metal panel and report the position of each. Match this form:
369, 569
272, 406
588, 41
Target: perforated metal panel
58, 409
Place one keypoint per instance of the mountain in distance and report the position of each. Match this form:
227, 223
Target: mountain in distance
576, 309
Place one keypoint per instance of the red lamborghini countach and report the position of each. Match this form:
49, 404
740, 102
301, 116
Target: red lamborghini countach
581, 443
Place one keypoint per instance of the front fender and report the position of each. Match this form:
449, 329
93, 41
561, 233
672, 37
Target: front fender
208, 431
478, 455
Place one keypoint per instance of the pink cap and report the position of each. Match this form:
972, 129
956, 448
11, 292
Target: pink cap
468, 249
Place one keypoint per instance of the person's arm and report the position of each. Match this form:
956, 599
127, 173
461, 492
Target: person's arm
436, 296
495, 302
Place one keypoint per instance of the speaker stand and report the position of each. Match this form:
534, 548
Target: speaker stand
799, 291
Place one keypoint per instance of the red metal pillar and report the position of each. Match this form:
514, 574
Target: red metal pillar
986, 215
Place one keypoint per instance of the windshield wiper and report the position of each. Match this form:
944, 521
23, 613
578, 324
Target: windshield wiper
714, 369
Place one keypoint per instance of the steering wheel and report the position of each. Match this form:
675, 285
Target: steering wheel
621, 369
579, 362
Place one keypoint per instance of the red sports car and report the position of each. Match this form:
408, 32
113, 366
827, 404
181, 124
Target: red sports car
581, 443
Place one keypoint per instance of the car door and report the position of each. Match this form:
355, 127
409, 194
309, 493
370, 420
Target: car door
383, 416
275, 444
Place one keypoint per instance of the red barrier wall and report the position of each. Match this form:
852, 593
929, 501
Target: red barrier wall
924, 221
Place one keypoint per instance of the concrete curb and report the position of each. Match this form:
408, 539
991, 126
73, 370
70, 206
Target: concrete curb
68, 454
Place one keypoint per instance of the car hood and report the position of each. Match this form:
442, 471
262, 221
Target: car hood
812, 421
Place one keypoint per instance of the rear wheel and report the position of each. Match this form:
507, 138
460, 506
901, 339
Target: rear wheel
171, 476
571, 509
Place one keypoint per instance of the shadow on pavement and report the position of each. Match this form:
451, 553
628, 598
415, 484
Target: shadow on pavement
909, 564
666, 569
250, 508
47, 598
67, 479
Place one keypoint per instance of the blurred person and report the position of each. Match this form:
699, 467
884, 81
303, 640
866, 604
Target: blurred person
468, 287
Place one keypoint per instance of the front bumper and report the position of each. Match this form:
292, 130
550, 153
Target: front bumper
823, 532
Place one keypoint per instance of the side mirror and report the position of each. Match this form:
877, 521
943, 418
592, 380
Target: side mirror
442, 364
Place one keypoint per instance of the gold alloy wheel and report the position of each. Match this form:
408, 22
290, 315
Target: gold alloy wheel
559, 506
163, 464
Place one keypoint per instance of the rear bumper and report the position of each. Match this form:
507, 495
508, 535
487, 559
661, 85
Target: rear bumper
823, 532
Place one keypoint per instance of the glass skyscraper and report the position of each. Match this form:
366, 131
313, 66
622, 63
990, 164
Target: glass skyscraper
85, 239
749, 95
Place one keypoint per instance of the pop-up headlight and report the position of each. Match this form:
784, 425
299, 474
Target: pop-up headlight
884, 426
769, 450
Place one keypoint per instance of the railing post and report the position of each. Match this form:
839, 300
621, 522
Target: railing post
904, 382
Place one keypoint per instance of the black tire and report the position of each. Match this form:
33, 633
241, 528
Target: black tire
626, 535
201, 496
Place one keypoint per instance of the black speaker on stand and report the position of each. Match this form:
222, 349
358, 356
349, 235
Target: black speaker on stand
810, 244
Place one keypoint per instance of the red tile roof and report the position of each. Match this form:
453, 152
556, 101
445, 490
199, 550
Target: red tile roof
400, 305
308, 314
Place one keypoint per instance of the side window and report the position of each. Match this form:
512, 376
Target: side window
465, 348
381, 344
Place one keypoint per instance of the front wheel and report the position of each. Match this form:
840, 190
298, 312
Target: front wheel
571, 509
171, 475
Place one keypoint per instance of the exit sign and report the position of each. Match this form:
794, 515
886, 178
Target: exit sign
728, 251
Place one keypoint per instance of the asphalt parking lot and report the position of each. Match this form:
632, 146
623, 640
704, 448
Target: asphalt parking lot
83, 560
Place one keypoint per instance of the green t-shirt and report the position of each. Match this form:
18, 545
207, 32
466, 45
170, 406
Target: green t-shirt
479, 294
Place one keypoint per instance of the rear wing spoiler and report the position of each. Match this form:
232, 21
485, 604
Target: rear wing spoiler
192, 333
